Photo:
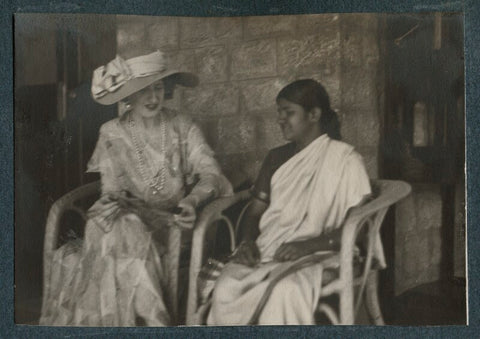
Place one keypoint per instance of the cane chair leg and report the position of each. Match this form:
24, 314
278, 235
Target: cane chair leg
347, 315
371, 299
174, 243
329, 313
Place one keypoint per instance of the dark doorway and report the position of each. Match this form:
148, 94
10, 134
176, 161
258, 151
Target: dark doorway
423, 144
56, 127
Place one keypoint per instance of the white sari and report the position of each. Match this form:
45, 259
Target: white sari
310, 195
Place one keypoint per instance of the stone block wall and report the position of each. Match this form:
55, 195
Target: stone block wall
418, 250
243, 62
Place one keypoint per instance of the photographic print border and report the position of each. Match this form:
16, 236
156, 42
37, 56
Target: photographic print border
234, 8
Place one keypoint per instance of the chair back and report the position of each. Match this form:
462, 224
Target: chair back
366, 220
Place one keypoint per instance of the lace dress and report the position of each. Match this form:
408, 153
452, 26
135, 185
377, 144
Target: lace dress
117, 274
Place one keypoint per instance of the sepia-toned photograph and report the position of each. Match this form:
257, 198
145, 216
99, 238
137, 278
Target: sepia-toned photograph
257, 170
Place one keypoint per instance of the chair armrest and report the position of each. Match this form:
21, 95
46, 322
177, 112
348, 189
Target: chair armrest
59, 207
211, 213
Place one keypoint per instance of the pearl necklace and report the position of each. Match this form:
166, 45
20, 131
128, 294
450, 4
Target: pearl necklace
155, 182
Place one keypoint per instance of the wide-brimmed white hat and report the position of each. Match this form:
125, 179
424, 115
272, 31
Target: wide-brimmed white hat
121, 78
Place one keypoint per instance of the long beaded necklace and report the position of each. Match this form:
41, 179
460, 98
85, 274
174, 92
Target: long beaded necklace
155, 182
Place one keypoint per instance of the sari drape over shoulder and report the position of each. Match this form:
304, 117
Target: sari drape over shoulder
310, 195
118, 274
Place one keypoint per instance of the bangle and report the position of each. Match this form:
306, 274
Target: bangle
235, 251
239, 245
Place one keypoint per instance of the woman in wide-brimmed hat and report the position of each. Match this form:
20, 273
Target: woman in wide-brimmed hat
156, 168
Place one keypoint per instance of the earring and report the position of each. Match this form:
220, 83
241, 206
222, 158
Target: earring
124, 107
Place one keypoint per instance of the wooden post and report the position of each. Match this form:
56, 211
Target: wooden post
437, 31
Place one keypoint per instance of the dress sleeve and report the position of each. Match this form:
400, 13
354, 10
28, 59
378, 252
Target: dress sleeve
201, 161
101, 162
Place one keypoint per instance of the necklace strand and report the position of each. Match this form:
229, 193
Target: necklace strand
156, 182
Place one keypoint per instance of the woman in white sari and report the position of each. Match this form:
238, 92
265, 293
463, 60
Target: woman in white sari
300, 199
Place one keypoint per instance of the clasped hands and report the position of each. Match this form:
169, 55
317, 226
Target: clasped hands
247, 252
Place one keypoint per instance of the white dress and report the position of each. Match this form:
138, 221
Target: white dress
118, 274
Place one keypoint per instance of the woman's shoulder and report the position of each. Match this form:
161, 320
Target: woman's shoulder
341, 144
110, 128
343, 149
177, 117
286, 148
281, 153
352, 156
180, 122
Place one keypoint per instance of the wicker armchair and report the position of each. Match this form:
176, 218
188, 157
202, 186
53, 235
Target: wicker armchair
69, 202
210, 215
80, 199
349, 287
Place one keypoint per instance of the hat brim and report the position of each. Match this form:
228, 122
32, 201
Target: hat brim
136, 84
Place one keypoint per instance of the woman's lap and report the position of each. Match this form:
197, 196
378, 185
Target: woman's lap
240, 288
102, 277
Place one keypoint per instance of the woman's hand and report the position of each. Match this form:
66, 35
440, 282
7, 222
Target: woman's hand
296, 249
103, 207
293, 250
247, 253
187, 216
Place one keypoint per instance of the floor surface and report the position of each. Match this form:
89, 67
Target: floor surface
437, 303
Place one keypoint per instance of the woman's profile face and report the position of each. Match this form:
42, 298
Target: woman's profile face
148, 101
293, 120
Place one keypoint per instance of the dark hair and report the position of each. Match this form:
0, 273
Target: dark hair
309, 94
